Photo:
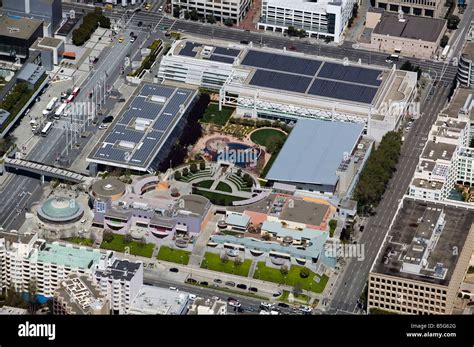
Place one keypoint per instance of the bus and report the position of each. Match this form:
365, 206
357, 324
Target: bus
60, 111
70, 98
76, 90
445, 52
51, 104
47, 128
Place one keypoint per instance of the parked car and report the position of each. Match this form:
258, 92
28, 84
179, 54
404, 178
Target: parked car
230, 284
305, 309
121, 100
241, 286
192, 297
174, 269
234, 303
266, 304
108, 119
217, 280
204, 283
253, 289
139, 24
283, 305
244, 42
191, 280
174, 289
103, 126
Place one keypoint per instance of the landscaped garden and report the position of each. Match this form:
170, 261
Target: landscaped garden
291, 277
80, 241
214, 116
237, 130
298, 297
224, 187
173, 255
205, 184
218, 198
263, 136
116, 242
215, 262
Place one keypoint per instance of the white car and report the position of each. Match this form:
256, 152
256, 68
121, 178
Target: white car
132, 39
264, 312
192, 297
160, 9
103, 126
174, 289
266, 304
305, 309
235, 303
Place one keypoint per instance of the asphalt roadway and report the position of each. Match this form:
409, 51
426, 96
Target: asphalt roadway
263, 39
351, 283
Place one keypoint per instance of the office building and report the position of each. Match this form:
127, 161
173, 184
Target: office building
17, 35
287, 86
79, 295
163, 301
425, 8
47, 11
221, 10
465, 74
407, 35
322, 19
423, 260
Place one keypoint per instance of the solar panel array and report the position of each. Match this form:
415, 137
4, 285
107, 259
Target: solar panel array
231, 52
221, 58
278, 80
188, 49
139, 133
296, 74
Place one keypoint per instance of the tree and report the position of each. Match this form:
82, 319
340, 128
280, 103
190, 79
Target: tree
128, 238
248, 180
304, 273
266, 237
238, 261
224, 258
229, 22
453, 22
193, 168
444, 41
185, 172
274, 144
355, 10
108, 236
194, 15
284, 270
176, 11
210, 19
187, 15
202, 165
239, 172
177, 175
297, 289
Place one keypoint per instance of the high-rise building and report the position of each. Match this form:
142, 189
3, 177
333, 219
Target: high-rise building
48, 11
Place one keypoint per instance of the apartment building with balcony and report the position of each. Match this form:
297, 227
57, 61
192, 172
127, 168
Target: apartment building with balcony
447, 160
220, 9
423, 260
24, 258
79, 295
321, 19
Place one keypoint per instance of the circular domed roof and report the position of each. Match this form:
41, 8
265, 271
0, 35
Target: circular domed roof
60, 210
109, 187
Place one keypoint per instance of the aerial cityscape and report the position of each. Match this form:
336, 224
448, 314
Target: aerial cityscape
241, 157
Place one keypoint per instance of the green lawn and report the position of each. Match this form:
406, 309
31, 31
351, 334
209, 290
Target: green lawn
80, 241
173, 255
214, 116
118, 244
217, 198
224, 187
205, 184
298, 298
261, 136
271, 274
213, 262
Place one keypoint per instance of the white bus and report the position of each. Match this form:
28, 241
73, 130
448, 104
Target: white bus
47, 128
51, 104
60, 111
445, 52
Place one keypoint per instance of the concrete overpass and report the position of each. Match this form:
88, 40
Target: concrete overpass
43, 170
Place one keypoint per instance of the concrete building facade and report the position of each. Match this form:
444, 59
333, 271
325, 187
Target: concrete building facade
221, 10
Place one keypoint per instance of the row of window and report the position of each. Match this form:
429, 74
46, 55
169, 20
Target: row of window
407, 285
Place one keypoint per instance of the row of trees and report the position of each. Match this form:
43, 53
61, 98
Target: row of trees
195, 16
292, 31
90, 23
377, 172
260, 123
193, 168
408, 66
355, 13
